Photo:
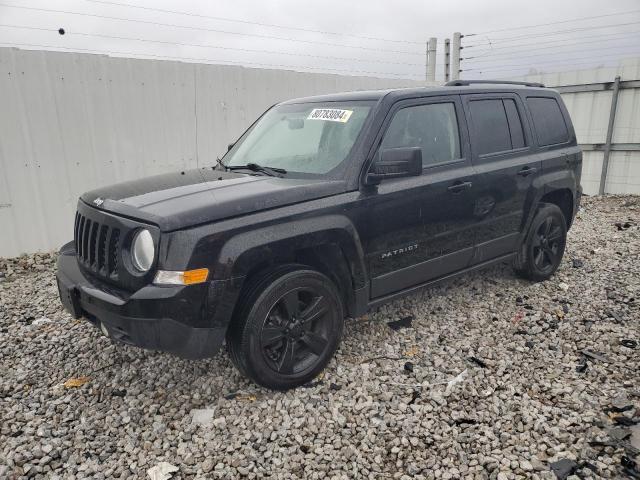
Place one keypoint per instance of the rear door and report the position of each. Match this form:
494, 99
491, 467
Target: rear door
505, 158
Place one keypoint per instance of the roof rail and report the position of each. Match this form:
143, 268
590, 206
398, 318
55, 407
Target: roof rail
464, 83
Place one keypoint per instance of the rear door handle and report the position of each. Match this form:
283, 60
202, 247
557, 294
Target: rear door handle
571, 160
526, 171
459, 186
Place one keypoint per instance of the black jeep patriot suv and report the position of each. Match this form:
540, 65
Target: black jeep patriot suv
324, 208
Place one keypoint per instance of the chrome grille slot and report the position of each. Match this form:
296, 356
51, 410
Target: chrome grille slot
79, 237
112, 254
76, 224
92, 243
102, 247
85, 239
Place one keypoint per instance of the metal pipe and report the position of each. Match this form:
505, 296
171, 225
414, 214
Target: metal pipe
447, 60
455, 56
607, 145
431, 59
615, 147
596, 87
426, 61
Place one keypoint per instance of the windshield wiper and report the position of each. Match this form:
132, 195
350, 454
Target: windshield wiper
254, 167
222, 165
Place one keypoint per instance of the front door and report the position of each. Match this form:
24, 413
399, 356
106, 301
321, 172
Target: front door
421, 228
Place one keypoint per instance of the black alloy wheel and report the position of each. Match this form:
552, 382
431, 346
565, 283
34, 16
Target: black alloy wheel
548, 243
543, 247
288, 327
294, 333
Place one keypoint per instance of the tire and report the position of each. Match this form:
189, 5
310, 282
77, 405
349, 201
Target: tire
544, 245
288, 327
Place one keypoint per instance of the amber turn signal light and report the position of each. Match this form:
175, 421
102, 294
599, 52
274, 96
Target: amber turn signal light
189, 277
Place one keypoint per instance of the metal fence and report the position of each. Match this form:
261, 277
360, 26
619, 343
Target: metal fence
604, 104
72, 122
608, 146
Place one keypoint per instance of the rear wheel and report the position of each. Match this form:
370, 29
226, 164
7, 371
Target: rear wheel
544, 245
288, 327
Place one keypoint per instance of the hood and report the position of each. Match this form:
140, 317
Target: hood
194, 197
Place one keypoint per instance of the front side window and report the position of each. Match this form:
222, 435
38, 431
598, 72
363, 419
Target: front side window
308, 138
432, 127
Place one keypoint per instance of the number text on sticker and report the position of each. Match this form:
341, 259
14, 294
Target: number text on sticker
330, 114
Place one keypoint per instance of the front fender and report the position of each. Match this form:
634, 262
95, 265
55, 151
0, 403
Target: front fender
243, 251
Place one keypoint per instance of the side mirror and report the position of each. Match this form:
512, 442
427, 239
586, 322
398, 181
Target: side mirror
230, 146
395, 162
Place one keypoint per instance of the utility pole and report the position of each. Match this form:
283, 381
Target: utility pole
426, 62
431, 59
456, 47
607, 145
447, 55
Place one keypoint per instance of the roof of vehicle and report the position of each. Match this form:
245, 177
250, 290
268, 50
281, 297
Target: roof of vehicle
412, 92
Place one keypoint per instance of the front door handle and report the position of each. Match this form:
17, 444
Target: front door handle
526, 171
459, 186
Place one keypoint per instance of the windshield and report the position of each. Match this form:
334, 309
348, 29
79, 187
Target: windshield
311, 138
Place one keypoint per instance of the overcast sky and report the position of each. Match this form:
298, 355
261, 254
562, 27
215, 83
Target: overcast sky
329, 35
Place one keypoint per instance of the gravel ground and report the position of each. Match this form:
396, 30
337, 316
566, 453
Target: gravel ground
488, 381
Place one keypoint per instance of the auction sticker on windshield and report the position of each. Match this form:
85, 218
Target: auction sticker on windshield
330, 114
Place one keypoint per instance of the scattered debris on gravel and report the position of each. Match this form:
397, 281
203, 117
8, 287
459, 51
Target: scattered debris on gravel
488, 377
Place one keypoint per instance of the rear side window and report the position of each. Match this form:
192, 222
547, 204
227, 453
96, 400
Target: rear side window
497, 124
515, 123
548, 120
432, 127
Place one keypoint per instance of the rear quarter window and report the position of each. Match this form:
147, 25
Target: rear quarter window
548, 120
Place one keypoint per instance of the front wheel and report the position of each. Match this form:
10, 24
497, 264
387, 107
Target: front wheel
288, 328
544, 244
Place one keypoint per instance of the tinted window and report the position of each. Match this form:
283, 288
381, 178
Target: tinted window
548, 120
515, 123
433, 128
491, 127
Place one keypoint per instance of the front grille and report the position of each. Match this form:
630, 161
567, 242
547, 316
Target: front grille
97, 246
102, 239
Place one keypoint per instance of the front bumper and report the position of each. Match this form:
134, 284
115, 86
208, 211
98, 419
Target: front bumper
168, 318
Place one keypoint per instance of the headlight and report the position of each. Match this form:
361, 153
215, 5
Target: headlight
143, 250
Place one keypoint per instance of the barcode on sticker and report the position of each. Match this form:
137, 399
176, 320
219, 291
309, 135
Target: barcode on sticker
330, 114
